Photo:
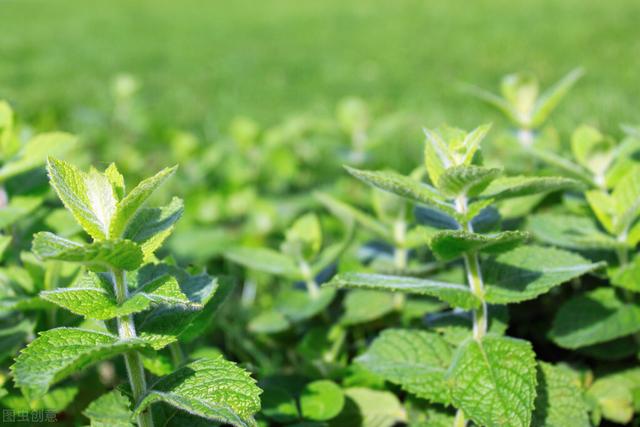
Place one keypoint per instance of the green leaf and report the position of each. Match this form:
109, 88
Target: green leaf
269, 322
166, 323
437, 157
570, 169
371, 408
56, 400
593, 150
361, 306
518, 186
626, 201
594, 317
35, 152
529, 271
550, 99
570, 231
303, 239
602, 205
19, 207
472, 142
614, 398
493, 100
299, 305
116, 179
627, 276
88, 196
414, 360
493, 381
128, 207
95, 300
279, 404
451, 244
263, 259
321, 400
13, 334
151, 226
347, 213
559, 401
214, 389
404, 186
110, 410
58, 353
454, 294
466, 180
119, 254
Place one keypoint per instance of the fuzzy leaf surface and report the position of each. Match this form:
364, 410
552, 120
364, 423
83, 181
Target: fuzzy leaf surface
529, 271
454, 294
451, 244
110, 410
415, 360
559, 400
494, 381
214, 389
466, 180
119, 254
594, 317
58, 353
518, 186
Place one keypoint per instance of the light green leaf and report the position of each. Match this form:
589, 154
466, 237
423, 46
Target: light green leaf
361, 306
372, 408
602, 205
347, 213
559, 401
35, 152
571, 169
593, 150
594, 317
414, 360
518, 186
116, 179
119, 254
529, 271
18, 208
214, 389
454, 294
437, 157
493, 381
451, 244
570, 231
58, 353
321, 400
269, 322
110, 410
151, 226
404, 186
88, 196
263, 259
303, 239
627, 276
466, 180
626, 201
550, 98
472, 142
614, 398
128, 207
299, 305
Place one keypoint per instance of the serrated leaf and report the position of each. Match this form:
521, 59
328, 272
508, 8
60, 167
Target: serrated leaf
119, 254
414, 360
594, 317
151, 226
263, 259
88, 196
215, 389
128, 207
518, 186
559, 400
529, 271
94, 301
110, 410
466, 180
550, 99
166, 323
454, 294
570, 231
493, 381
451, 244
58, 353
404, 186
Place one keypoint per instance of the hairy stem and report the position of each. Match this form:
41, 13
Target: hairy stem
474, 277
133, 362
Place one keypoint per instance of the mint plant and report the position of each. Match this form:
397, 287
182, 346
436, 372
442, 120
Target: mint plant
522, 103
138, 305
491, 379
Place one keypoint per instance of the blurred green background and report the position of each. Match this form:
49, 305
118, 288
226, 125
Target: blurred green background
212, 60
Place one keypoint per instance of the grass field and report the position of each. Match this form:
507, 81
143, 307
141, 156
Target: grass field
214, 60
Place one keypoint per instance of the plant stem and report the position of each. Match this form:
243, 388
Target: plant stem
177, 355
312, 287
474, 277
459, 420
133, 362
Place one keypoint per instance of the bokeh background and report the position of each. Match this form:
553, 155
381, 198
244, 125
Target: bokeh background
200, 62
